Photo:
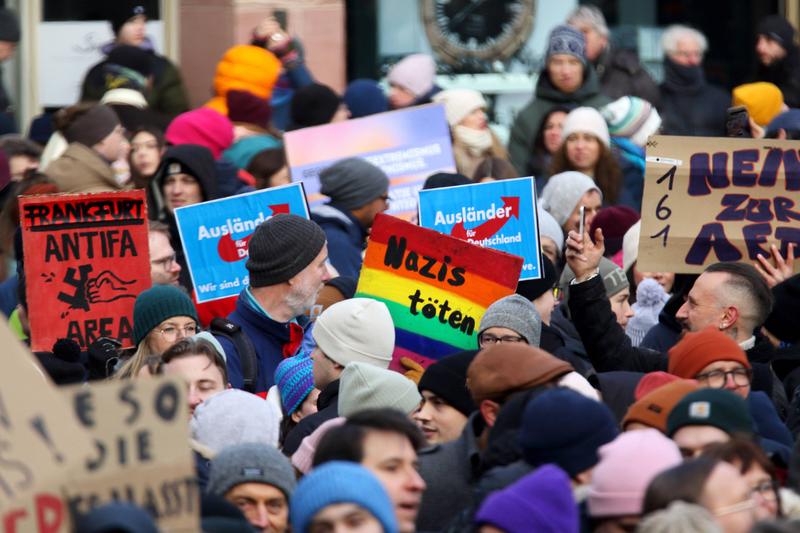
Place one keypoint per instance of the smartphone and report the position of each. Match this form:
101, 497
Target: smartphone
582, 215
282, 17
737, 123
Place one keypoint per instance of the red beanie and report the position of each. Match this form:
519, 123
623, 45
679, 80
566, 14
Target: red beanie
651, 381
697, 350
245, 107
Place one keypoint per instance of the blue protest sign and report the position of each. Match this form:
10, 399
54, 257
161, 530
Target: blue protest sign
497, 214
215, 236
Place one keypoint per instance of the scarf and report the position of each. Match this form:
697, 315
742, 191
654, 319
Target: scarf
476, 141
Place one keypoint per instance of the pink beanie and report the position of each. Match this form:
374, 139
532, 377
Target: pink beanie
627, 466
416, 72
203, 126
303, 458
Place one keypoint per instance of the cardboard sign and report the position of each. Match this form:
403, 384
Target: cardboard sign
141, 450
86, 260
40, 442
497, 214
435, 286
215, 236
708, 200
409, 145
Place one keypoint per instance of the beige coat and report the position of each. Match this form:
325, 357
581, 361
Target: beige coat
81, 169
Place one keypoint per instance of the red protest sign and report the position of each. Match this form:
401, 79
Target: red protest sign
86, 260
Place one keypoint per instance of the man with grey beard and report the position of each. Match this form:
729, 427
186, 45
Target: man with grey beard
287, 265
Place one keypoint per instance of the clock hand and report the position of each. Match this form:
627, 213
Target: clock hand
459, 18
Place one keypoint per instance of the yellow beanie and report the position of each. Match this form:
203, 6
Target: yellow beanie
762, 99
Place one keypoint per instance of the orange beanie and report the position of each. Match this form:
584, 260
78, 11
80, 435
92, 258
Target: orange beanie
697, 350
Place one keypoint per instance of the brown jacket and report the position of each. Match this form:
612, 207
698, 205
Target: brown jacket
81, 169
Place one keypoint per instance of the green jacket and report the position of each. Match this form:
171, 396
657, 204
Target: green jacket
529, 120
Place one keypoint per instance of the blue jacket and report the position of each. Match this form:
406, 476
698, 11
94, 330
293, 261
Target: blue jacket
346, 238
268, 338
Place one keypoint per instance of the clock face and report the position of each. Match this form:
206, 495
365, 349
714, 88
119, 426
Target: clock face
478, 29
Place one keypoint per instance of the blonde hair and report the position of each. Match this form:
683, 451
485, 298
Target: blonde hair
131, 368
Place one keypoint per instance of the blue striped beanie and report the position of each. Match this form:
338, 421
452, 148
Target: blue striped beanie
295, 380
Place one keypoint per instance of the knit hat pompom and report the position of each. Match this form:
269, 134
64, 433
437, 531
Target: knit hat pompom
650, 300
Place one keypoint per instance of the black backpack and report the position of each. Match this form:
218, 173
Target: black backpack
223, 327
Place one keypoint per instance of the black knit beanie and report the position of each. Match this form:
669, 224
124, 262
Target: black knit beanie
121, 11
778, 29
281, 248
533, 288
447, 379
313, 105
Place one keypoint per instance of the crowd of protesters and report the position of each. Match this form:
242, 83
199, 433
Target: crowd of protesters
598, 398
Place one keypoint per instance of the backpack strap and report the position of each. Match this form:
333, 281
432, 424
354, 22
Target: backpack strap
244, 346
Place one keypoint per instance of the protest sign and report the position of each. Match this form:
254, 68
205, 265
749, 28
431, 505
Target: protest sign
86, 260
710, 199
141, 450
497, 214
408, 145
436, 287
215, 236
40, 441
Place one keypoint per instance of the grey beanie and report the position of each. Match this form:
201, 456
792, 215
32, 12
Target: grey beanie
251, 462
566, 40
353, 183
563, 192
548, 227
516, 313
614, 279
364, 386
281, 248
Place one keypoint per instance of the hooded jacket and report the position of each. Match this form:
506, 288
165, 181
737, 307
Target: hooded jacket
546, 96
200, 162
81, 169
785, 73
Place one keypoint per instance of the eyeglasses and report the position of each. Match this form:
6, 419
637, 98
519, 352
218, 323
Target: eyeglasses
164, 263
385, 198
170, 333
745, 505
765, 489
491, 339
716, 379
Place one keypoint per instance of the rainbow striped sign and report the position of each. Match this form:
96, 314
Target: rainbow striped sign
436, 287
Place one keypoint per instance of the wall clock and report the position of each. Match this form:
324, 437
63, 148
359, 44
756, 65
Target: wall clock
461, 31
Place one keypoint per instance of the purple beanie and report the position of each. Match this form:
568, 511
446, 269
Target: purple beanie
542, 501
295, 380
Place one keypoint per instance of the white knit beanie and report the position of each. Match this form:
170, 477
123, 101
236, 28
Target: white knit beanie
563, 192
650, 300
123, 96
548, 227
586, 120
633, 118
358, 329
416, 73
363, 386
630, 246
458, 103
234, 416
